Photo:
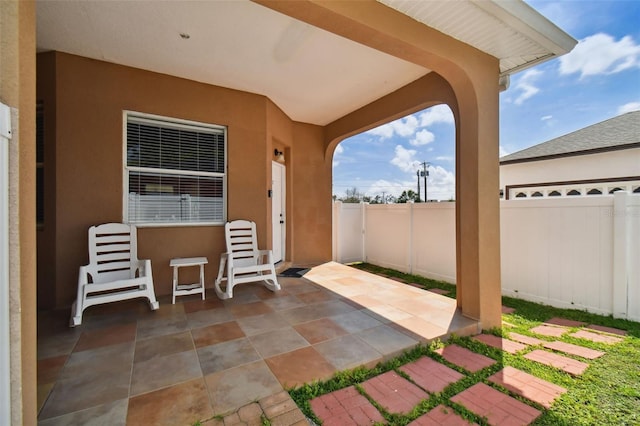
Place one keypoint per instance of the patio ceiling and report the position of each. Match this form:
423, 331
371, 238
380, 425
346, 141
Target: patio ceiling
313, 75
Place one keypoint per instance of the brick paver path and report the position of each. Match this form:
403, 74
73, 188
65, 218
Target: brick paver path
527, 340
438, 291
499, 408
465, 358
568, 365
394, 393
604, 329
565, 322
507, 310
345, 407
596, 337
440, 416
528, 386
431, 375
500, 343
550, 330
568, 348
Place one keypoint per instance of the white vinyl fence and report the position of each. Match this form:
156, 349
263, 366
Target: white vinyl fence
580, 252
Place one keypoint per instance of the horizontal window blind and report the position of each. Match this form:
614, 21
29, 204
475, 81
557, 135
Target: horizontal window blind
175, 171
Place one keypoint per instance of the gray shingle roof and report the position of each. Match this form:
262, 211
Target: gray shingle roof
619, 132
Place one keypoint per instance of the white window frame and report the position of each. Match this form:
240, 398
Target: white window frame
126, 169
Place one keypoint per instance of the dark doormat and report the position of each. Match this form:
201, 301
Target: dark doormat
293, 272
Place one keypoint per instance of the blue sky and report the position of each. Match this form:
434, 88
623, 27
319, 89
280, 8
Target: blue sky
598, 80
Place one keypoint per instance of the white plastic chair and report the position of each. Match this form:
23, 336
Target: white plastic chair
243, 261
114, 272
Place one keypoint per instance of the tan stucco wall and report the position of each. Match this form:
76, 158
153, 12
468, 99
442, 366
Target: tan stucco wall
90, 97
94, 94
473, 77
17, 89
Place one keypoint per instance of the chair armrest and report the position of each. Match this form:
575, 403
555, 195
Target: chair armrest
83, 275
144, 267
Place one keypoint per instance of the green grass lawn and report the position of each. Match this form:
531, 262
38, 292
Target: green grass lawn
607, 393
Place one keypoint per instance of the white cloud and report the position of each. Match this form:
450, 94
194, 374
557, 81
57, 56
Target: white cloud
445, 158
526, 87
387, 188
601, 54
441, 184
423, 137
546, 117
405, 159
337, 153
436, 114
402, 127
631, 106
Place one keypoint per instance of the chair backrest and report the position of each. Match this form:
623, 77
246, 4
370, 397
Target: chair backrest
112, 252
241, 241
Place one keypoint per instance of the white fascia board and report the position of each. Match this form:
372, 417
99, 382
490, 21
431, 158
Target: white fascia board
529, 22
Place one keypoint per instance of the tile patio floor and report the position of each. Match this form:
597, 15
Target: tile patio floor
197, 359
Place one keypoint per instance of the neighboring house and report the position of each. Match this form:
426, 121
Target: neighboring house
599, 159
123, 89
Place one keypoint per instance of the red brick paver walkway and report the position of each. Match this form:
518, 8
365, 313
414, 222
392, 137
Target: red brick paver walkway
528, 386
345, 407
440, 416
431, 375
596, 337
499, 408
568, 348
394, 393
565, 322
568, 365
550, 330
604, 329
465, 358
438, 291
507, 310
527, 340
500, 343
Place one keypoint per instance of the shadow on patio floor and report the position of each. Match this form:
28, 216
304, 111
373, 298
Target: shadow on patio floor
197, 359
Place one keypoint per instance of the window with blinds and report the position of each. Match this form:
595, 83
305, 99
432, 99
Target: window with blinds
175, 171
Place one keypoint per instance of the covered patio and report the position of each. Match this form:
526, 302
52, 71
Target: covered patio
269, 77
198, 359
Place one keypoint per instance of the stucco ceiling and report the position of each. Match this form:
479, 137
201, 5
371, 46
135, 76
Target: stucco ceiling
313, 75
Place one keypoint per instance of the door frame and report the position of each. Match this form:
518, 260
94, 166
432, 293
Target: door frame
283, 208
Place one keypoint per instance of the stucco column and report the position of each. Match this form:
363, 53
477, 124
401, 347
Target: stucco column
17, 90
477, 204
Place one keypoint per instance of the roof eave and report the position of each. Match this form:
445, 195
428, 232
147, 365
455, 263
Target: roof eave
532, 24
570, 154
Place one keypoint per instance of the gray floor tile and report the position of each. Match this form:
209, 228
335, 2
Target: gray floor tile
226, 355
278, 341
164, 371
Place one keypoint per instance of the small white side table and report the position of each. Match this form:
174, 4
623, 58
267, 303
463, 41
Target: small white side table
186, 289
